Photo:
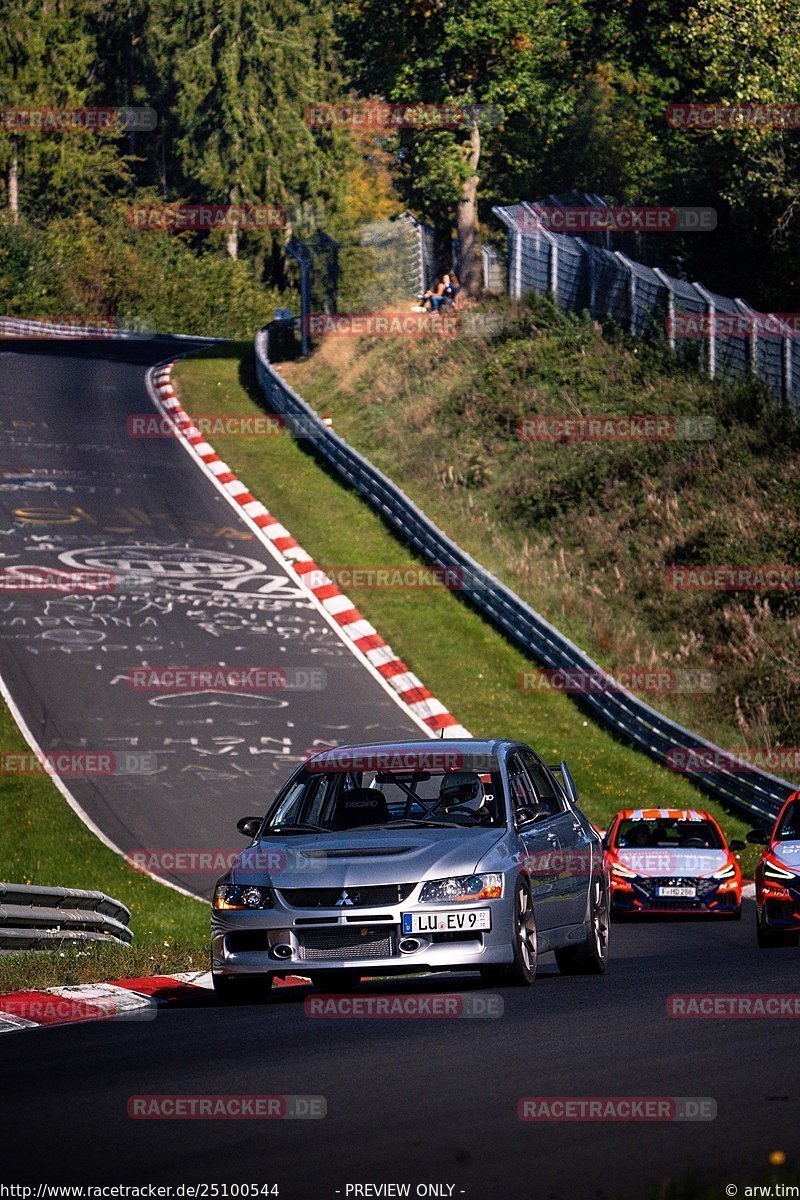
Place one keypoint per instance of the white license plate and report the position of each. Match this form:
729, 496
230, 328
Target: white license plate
452, 920
679, 893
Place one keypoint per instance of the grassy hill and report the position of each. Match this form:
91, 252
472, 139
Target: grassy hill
587, 531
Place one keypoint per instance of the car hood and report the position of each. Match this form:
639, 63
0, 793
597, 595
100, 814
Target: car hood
787, 853
649, 863
370, 857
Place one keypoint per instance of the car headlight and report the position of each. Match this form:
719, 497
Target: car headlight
241, 896
774, 870
726, 872
623, 872
462, 887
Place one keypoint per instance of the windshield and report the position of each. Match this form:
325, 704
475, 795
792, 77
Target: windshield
668, 833
340, 800
789, 828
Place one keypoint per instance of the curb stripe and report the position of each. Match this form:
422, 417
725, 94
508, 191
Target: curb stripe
354, 626
120, 998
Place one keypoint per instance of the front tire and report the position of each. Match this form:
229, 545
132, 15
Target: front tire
590, 957
241, 989
521, 972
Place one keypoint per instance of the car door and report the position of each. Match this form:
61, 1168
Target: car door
574, 841
541, 851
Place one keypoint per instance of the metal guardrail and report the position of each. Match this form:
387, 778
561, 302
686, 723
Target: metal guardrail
756, 793
39, 918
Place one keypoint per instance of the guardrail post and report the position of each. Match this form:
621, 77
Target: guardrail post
711, 310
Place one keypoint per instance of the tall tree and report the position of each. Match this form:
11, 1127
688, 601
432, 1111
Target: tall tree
507, 56
245, 72
48, 56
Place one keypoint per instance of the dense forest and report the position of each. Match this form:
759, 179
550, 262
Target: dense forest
554, 94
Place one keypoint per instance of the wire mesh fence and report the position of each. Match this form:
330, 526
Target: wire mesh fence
725, 336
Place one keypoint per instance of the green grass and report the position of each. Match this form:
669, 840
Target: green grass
43, 842
468, 665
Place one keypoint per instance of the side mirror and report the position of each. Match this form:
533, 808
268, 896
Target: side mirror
525, 816
758, 837
249, 826
736, 845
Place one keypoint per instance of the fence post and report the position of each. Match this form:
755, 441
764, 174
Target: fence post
628, 265
752, 340
587, 271
299, 252
423, 283
552, 241
670, 306
516, 290
711, 310
553, 267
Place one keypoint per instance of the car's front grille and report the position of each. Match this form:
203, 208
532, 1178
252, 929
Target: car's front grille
376, 896
366, 942
673, 904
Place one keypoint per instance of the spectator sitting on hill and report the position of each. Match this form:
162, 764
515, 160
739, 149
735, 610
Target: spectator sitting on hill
445, 292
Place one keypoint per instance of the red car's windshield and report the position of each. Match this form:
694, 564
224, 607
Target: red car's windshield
667, 833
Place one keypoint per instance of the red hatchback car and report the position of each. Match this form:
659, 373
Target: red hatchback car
777, 878
672, 861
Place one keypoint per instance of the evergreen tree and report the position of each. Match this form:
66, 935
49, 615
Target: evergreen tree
48, 58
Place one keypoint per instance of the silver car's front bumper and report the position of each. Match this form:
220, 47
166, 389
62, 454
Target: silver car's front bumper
367, 940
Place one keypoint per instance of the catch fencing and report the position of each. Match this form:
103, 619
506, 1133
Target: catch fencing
727, 337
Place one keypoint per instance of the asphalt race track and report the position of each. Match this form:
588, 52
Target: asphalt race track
428, 1100
193, 587
418, 1101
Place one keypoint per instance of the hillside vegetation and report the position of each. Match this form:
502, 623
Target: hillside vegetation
587, 531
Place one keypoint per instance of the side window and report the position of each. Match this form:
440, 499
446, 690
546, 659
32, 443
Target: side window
547, 794
523, 797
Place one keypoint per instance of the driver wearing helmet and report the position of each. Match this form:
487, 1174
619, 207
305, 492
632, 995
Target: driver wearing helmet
463, 792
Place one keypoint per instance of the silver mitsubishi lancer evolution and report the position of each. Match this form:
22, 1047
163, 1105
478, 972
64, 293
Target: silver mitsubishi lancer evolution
412, 857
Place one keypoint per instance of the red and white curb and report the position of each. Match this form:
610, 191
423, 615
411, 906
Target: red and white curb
356, 631
122, 999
